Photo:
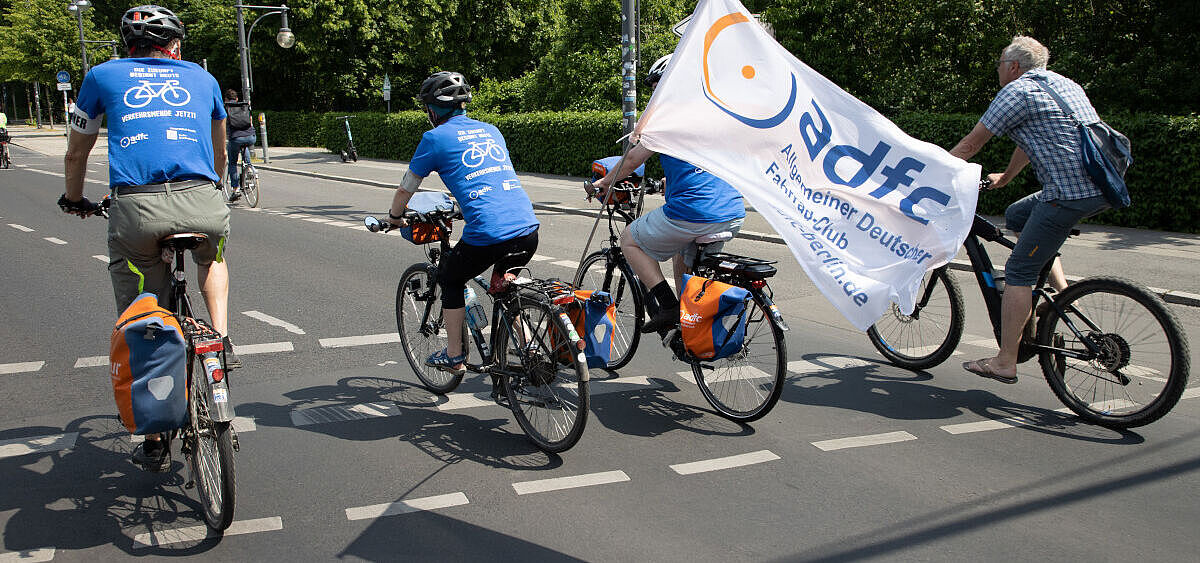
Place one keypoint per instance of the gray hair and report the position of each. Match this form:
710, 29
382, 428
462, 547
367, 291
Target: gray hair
1027, 52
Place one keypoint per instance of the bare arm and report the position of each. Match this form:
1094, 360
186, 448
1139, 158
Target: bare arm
970, 145
79, 146
1015, 165
218, 141
399, 202
637, 156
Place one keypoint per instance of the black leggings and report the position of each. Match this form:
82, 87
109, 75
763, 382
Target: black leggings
465, 261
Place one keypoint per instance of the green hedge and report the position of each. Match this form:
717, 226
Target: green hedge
1161, 181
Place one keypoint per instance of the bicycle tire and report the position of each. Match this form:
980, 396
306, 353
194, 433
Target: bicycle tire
228, 190
929, 336
417, 287
745, 386
250, 184
545, 379
1139, 338
627, 296
211, 460
5, 161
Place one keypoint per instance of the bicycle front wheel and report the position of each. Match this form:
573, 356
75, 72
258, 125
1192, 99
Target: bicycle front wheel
544, 379
211, 459
1143, 362
746, 385
250, 185
930, 334
421, 326
598, 272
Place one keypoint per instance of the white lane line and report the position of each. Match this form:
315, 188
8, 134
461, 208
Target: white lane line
37, 444
239, 424
321, 415
318, 220
566, 264
730, 462
100, 257
406, 506
342, 342
989, 343
54, 240
29, 555
1016, 421
560, 483
91, 362
861, 441
20, 367
267, 348
455, 401
540, 258
745, 373
341, 224
1190, 393
21, 228
826, 363
273, 321
297, 216
157, 538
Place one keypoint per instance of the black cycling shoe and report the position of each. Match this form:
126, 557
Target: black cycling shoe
663, 320
153, 455
231, 359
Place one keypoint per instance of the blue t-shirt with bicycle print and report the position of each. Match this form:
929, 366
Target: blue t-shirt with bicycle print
471, 158
160, 113
696, 196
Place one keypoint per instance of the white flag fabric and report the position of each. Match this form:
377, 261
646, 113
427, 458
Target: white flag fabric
864, 208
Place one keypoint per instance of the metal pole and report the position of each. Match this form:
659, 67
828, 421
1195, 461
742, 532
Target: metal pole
628, 67
37, 103
241, 23
262, 120
82, 45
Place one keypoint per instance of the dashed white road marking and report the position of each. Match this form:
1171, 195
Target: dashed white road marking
576, 481
341, 224
21, 228
540, 258
37, 444
406, 506
54, 240
266, 348
157, 538
338, 413
566, 264
989, 343
28, 556
729, 462
1190, 393
100, 257
861, 441
239, 424
342, 342
455, 401
91, 362
20, 367
273, 321
826, 363
318, 219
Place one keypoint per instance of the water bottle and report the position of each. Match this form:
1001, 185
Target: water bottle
475, 315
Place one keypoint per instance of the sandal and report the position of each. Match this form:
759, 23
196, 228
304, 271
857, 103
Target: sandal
443, 361
983, 368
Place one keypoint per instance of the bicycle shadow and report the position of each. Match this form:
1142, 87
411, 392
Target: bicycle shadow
487, 435
866, 385
443, 538
91, 495
651, 412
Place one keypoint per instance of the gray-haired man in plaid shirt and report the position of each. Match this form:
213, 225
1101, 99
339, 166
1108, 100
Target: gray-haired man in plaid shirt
1048, 139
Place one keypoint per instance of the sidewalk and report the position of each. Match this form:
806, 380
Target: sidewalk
1165, 261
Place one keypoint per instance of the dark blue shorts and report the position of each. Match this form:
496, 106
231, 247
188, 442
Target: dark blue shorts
1043, 225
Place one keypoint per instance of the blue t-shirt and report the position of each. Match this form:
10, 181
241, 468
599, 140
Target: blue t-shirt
160, 113
696, 196
471, 158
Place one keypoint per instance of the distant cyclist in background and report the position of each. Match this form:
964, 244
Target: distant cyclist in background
166, 141
471, 158
697, 204
239, 129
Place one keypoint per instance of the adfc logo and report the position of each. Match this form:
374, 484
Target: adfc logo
741, 78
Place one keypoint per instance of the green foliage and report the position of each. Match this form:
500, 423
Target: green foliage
41, 37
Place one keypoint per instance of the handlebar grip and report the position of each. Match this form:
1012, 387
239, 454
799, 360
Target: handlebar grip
985, 183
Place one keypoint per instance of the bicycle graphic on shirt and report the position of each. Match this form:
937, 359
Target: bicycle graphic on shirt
170, 91
474, 156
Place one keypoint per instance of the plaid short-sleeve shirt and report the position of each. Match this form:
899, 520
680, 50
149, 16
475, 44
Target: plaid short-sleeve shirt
1028, 115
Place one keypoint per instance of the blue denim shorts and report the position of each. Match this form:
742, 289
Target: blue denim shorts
1043, 225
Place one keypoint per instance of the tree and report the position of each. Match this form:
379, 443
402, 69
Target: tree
48, 36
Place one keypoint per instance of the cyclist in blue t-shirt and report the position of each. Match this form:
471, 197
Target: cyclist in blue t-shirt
471, 158
166, 141
698, 204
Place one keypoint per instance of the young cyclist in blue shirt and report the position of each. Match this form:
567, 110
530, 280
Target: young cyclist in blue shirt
471, 158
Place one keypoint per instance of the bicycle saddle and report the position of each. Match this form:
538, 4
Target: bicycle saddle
714, 237
182, 241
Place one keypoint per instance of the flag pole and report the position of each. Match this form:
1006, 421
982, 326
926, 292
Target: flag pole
600, 211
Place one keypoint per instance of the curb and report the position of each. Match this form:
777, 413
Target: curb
1168, 295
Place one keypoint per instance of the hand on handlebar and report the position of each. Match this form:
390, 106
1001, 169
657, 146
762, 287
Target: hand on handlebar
83, 208
595, 189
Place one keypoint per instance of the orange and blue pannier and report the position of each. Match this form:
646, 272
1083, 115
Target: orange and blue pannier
148, 366
712, 317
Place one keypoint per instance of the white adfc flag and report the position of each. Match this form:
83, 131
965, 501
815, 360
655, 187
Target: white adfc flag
865, 208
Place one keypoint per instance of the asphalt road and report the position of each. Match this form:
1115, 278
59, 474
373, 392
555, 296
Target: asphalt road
860, 460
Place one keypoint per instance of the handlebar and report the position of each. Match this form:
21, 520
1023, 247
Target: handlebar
84, 208
376, 225
344, 117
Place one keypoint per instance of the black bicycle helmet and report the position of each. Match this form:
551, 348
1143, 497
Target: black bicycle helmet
445, 89
657, 69
150, 24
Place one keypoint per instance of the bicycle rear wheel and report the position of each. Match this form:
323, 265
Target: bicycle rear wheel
930, 334
545, 382
1143, 364
211, 458
423, 334
746, 385
598, 273
250, 185
5, 162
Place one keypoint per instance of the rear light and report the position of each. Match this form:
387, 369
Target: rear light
758, 284
209, 346
564, 299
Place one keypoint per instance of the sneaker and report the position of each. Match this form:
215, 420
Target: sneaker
663, 320
153, 455
236, 195
231, 359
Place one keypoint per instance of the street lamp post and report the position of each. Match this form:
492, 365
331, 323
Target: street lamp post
285, 38
109, 43
78, 6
